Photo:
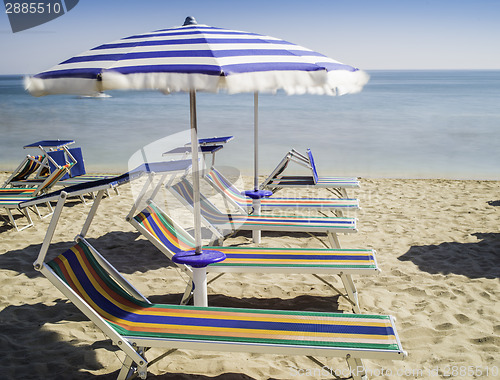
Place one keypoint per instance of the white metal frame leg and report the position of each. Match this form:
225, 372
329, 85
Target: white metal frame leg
351, 291
357, 368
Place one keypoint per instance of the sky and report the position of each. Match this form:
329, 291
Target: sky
371, 35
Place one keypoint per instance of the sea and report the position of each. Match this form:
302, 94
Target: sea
404, 124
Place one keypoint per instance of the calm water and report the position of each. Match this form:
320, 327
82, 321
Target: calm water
407, 124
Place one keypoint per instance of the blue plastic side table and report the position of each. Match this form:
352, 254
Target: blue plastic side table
199, 262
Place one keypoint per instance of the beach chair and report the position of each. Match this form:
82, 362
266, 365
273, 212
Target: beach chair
221, 223
25, 170
135, 325
170, 238
39, 186
11, 198
277, 181
222, 185
76, 175
49, 162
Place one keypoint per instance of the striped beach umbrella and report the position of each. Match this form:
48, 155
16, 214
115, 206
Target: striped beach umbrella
193, 58
201, 58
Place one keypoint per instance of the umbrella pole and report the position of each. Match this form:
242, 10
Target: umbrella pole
256, 234
256, 140
196, 173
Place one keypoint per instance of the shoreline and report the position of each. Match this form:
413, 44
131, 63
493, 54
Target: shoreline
437, 243
249, 173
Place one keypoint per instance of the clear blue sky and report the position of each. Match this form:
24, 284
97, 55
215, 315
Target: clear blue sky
369, 34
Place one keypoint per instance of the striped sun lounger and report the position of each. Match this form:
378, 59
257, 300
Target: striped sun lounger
235, 196
221, 223
76, 175
277, 180
170, 238
134, 324
28, 167
40, 186
11, 198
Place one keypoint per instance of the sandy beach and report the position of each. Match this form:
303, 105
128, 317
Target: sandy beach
437, 243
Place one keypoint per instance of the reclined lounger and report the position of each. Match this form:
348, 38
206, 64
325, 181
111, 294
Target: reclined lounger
28, 167
235, 196
12, 198
277, 181
135, 325
170, 238
220, 223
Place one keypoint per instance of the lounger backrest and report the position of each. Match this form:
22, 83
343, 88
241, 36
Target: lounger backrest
159, 226
281, 166
79, 167
313, 166
30, 167
56, 176
277, 171
224, 185
80, 270
208, 210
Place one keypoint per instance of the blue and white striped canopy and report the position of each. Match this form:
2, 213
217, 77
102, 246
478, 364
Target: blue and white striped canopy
202, 58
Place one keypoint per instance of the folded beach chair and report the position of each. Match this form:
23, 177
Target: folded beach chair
220, 223
277, 181
134, 324
244, 204
11, 198
170, 238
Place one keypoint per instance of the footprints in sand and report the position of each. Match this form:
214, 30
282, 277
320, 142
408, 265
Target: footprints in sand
462, 319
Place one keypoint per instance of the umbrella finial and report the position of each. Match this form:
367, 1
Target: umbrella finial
190, 21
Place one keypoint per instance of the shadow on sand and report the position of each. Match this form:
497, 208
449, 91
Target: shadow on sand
474, 260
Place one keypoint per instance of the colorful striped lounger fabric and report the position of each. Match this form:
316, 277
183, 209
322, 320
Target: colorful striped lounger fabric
15, 191
32, 163
11, 198
216, 178
184, 191
157, 224
157, 227
269, 331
